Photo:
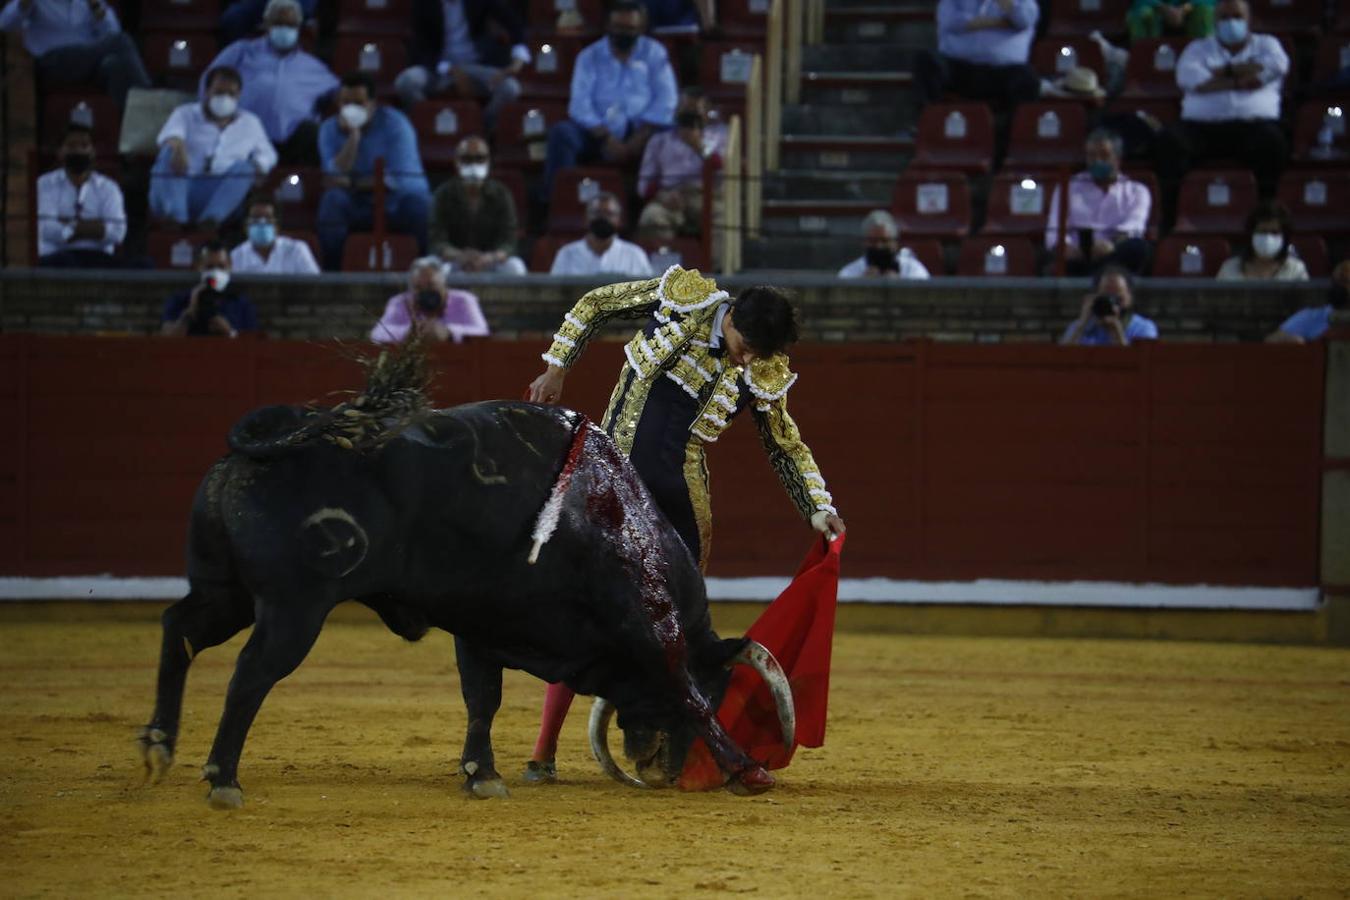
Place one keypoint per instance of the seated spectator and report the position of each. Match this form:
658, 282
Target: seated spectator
1231, 103
1315, 321
602, 250
241, 18
266, 252
429, 311
715, 130
76, 42
1157, 18
1108, 213
457, 52
671, 179
210, 154
883, 257
1265, 253
363, 131
623, 91
81, 219
1108, 315
984, 48
283, 85
473, 216
210, 308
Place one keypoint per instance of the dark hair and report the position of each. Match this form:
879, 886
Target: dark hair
212, 246
1118, 270
764, 315
626, 6
362, 79
689, 119
262, 198
229, 73
77, 128
693, 90
1263, 211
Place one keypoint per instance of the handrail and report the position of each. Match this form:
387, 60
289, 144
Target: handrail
733, 185
754, 145
792, 75
773, 86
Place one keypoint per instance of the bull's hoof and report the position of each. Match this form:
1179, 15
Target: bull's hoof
487, 789
537, 772
156, 753
225, 798
752, 781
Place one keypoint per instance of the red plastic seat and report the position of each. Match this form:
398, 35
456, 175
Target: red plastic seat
1053, 57
177, 58
440, 126
1152, 69
1317, 201
173, 14
928, 252
1333, 54
1285, 16
1312, 249
1047, 136
681, 251
1215, 201
1070, 17
174, 249
743, 18
1189, 256
375, 17
996, 257
546, 248
1165, 110
955, 136
549, 74
932, 204
380, 55
724, 70
543, 16
362, 253
100, 114
573, 189
1018, 204
1313, 117
296, 191
521, 132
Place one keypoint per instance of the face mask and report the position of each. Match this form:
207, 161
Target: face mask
473, 171
78, 163
262, 234
1267, 245
602, 228
355, 115
1231, 31
882, 259
429, 301
1338, 295
216, 279
222, 106
283, 37
1101, 171
622, 41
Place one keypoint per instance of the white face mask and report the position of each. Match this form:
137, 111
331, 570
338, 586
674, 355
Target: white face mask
1266, 245
222, 106
355, 115
216, 279
473, 171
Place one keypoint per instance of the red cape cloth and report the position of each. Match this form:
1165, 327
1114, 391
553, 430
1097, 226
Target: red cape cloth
798, 629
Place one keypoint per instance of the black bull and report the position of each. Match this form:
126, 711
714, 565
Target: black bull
433, 527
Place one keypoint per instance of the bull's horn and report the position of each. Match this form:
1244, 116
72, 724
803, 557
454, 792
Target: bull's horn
601, 713
758, 657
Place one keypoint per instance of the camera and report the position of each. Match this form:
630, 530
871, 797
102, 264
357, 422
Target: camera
430, 302
1104, 305
206, 306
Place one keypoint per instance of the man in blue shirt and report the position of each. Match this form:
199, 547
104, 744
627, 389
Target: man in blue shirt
77, 41
283, 85
1108, 317
623, 90
210, 308
983, 52
1314, 322
349, 143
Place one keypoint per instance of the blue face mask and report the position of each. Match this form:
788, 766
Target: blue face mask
1231, 31
283, 37
262, 234
1101, 171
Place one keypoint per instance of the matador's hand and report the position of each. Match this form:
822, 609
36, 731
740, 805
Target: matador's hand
547, 388
828, 524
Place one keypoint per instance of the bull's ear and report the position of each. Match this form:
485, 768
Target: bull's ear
720, 653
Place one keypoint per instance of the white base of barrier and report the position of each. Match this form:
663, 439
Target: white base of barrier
851, 590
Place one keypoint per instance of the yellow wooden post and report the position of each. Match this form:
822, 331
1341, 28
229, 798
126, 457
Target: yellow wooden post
773, 87
754, 145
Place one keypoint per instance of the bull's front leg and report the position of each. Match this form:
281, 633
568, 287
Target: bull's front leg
481, 683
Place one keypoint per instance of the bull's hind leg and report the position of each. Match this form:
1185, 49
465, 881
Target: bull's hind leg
209, 615
481, 683
280, 641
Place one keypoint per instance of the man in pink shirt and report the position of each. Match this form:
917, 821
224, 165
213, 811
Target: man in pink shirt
1108, 213
429, 310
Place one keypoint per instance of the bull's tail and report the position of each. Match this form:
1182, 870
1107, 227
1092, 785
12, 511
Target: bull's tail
552, 511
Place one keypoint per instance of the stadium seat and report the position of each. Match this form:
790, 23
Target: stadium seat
545, 248
1053, 57
743, 18
176, 59
382, 56
1317, 201
1320, 134
391, 18
955, 136
1082, 17
170, 14
998, 257
929, 252
724, 70
1152, 69
174, 249
932, 204
549, 74
682, 251
1018, 204
98, 113
543, 16
1189, 256
1047, 136
440, 126
1165, 110
521, 133
1341, 23
363, 253
514, 182
1333, 54
573, 189
1312, 249
1286, 16
296, 191
1215, 201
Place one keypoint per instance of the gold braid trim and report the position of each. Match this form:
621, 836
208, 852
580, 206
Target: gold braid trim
685, 290
627, 299
791, 459
769, 379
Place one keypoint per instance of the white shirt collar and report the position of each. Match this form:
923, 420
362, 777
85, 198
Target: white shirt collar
715, 339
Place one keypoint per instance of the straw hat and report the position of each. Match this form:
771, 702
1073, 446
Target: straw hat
1081, 82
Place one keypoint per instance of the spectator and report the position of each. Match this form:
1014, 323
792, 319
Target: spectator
1108, 213
1231, 103
473, 217
1155, 18
283, 85
210, 153
602, 250
715, 131
349, 143
983, 52
1108, 316
1265, 254
883, 257
242, 17
623, 90
75, 42
671, 179
268, 253
81, 219
427, 310
210, 308
457, 51
1312, 323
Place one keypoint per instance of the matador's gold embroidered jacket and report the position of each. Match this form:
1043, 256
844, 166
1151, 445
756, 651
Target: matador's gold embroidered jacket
681, 307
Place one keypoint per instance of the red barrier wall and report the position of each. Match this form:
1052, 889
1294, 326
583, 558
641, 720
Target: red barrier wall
1181, 464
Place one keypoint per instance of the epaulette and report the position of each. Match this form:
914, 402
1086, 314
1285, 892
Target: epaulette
685, 290
768, 379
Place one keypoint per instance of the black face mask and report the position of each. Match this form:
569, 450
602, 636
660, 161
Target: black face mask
429, 301
602, 228
622, 41
78, 163
882, 259
1338, 295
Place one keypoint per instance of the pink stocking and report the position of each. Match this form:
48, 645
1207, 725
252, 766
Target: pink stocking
556, 703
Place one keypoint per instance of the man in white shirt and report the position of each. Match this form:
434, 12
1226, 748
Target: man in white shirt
602, 250
211, 153
883, 257
266, 252
81, 217
1231, 85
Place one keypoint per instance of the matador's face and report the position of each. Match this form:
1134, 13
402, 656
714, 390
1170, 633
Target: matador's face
739, 350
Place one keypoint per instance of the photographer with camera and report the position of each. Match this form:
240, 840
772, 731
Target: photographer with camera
428, 310
883, 257
210, 308
1108, 317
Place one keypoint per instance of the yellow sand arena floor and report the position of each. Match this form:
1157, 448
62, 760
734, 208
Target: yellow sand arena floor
954, 767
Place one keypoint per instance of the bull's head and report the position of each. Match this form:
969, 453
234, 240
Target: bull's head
657, 738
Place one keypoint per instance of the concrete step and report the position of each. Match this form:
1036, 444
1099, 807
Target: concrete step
815, 184
856, 57
913, 26
816, 218
853, 89
825, 254
832, 152
826, 118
